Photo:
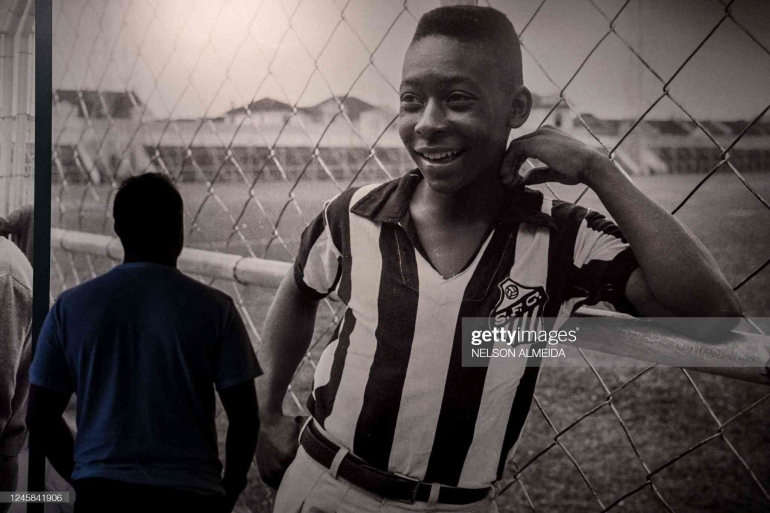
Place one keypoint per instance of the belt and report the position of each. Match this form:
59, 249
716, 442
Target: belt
384, 484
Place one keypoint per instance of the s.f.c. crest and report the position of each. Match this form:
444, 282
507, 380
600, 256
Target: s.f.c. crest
518, 306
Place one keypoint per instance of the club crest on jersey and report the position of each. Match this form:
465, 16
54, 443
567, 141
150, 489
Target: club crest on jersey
518, 307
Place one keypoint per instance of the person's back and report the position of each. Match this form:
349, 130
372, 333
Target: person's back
143, 347
142, 342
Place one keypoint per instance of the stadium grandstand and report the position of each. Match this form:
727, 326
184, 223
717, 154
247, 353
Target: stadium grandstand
268, 127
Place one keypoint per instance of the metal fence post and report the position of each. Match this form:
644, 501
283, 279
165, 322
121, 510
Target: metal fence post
42, 241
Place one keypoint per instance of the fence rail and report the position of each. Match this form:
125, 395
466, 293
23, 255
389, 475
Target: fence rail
741, 356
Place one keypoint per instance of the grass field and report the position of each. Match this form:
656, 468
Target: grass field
662, 411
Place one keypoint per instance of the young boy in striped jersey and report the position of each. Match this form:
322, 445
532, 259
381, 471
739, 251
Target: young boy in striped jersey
398, 424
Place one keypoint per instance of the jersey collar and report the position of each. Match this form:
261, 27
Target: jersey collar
389, 203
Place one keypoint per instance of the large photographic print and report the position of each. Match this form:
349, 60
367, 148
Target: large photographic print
261, 111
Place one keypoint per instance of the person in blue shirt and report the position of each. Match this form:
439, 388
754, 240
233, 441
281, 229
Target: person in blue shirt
143, 347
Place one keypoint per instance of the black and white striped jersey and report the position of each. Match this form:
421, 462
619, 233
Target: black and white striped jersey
390, 386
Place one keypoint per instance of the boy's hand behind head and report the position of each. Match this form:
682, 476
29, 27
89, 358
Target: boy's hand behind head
566, 159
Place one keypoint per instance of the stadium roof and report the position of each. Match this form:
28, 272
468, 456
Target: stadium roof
671, 126
354, 107
119, 104
600, 126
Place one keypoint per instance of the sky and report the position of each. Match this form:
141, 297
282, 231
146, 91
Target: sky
195, 58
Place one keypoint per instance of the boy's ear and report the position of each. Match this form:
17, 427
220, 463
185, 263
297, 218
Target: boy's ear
521, 104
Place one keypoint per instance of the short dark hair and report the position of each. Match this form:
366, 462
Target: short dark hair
148, 213
474, 24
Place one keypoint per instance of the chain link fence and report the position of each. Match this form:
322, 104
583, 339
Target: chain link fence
262, 110
17, 103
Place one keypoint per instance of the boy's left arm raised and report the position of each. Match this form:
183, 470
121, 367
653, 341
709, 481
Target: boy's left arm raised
677, 276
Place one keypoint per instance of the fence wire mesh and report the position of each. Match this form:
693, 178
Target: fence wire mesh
17, 103
262, 110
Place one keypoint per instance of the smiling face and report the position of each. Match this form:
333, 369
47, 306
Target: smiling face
456, 111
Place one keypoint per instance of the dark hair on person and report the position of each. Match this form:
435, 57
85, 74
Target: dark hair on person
474, 24
148, 213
